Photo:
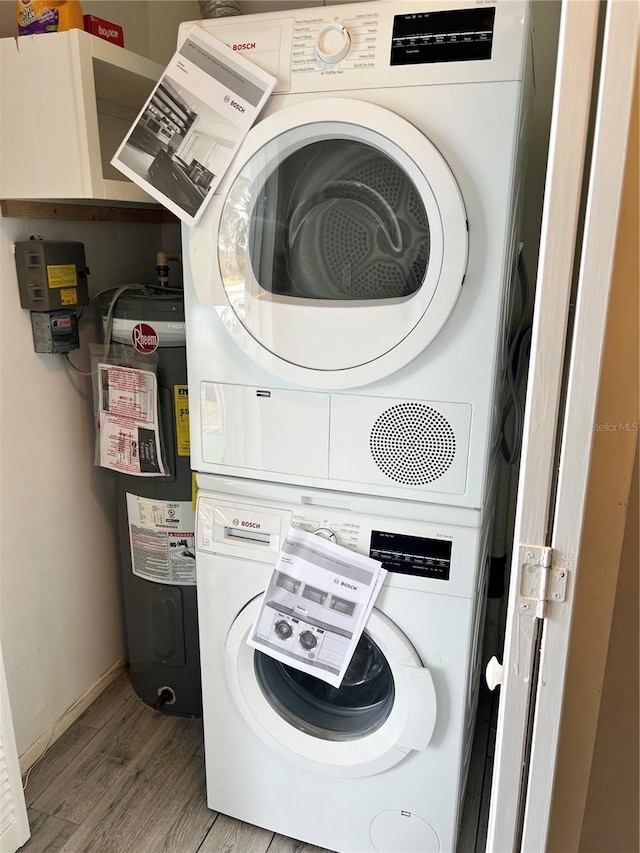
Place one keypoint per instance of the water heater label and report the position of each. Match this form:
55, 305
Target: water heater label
162, 540
181, 403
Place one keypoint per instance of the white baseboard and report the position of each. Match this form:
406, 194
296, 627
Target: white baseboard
51, 735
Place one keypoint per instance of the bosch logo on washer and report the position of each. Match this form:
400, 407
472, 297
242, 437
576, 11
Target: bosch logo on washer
144, 338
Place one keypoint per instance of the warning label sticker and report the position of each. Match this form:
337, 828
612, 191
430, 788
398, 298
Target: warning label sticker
181, 402
62, 275
162, 540
69, 296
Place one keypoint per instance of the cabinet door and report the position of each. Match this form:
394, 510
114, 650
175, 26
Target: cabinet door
558, 434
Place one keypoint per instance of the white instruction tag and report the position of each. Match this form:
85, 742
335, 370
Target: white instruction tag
187, 133
128, 427
316, 606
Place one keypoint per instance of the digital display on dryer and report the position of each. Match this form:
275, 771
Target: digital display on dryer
448, 36
412, 555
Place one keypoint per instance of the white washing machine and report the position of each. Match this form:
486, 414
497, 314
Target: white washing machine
347, 289
378, 764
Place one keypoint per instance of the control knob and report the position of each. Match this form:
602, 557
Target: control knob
308, 640
333, 43
325, 533
283, 629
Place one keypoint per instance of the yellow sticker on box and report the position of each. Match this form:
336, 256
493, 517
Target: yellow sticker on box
181, 401
69, 296
62, 275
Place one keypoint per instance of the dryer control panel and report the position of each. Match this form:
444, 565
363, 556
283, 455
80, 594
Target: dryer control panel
381, 44
459, 35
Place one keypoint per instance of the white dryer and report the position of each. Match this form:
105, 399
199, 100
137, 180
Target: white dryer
378, 764
347, 289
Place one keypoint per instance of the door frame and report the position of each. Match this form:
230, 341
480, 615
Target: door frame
538, 632
14, 830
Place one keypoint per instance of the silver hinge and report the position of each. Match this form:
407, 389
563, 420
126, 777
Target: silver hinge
540, 582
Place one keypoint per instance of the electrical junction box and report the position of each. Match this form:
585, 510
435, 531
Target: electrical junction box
52, 274
55, 331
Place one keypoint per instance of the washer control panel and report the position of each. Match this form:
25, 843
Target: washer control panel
412, 555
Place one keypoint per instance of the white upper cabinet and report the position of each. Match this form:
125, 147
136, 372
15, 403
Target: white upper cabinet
67, 101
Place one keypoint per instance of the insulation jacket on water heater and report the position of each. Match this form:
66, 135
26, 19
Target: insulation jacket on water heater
156, 521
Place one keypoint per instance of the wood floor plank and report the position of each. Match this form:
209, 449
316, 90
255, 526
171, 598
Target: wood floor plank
232, 836
132, 804
48, 834
185, 818
81, 785
109, 702
59, 755
282, 844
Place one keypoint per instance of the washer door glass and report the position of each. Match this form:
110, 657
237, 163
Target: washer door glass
384, 708
358, 707
341, 243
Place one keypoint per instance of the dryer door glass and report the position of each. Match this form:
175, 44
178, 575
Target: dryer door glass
338, 220
358, 707
335, 244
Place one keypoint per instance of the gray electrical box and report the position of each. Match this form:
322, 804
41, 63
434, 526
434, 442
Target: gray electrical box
55, 331
52, 274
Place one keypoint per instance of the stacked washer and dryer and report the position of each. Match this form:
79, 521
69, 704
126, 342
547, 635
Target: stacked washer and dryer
347, 300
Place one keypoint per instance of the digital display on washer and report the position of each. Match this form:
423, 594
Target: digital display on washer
448, 36
412, 555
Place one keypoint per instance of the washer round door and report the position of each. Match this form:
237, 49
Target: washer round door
384, 708
336, 246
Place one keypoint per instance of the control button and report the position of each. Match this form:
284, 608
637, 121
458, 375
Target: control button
333, 43
308, 640
325, 533
283, 629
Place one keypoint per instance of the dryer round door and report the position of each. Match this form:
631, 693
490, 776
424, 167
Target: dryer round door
384, 708
336, 247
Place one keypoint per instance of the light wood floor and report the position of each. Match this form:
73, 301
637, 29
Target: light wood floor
127, 779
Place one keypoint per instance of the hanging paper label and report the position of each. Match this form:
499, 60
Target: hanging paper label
162, 540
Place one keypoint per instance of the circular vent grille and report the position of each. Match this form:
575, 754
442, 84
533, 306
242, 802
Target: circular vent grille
412, 444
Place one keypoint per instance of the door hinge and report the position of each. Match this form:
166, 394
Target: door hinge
540, 581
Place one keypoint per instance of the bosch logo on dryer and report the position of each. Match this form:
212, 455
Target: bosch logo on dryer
245, 45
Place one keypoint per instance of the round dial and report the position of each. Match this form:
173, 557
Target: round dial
308, 640
333, 43
325, 533
283, 629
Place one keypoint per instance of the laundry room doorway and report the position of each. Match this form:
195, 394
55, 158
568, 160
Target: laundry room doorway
587, 153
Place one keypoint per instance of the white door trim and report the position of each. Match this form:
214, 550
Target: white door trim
567, 145
594, 285
14, 825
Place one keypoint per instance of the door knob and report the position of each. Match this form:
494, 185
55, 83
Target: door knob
494, 673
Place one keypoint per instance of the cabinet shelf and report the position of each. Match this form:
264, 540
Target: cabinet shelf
67, 101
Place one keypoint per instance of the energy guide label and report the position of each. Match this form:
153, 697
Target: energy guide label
162, 540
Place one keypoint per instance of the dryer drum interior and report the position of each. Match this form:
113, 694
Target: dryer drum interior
339, 219
357, 708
